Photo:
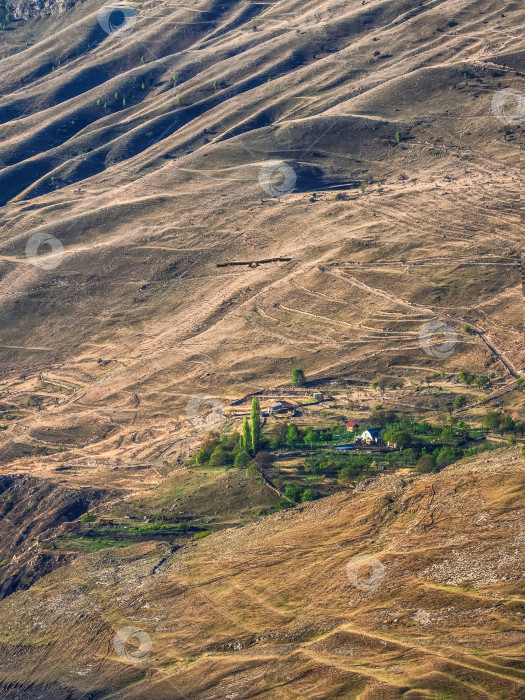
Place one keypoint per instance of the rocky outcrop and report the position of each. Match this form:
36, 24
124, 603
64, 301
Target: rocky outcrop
38, 9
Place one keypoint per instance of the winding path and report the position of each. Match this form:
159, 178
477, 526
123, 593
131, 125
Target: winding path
416, 309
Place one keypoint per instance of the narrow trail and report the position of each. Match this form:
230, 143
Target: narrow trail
482, 334
466, 664
417, 309
165, 452
323, 318
508, 364
439, 261
413, 308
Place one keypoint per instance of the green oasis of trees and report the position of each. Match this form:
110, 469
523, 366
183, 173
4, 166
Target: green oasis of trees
234, 449
419, 444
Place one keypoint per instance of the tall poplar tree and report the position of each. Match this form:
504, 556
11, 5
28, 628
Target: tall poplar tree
256, 423
246, 437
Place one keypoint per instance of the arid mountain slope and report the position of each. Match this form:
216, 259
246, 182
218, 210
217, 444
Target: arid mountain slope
282, 609
142, 155
369, 144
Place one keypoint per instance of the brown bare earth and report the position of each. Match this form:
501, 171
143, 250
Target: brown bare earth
142, 156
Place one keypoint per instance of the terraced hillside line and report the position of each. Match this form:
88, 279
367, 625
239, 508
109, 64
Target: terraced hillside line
165, 452
503, 359
417, 308
512, 369
510, 386
322, 318
412, 308
439, 260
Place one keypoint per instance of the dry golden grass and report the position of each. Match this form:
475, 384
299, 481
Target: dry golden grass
101, 353
271, 610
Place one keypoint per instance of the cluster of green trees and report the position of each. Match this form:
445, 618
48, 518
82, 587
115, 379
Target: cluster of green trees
222, 450
460, 401
290, 435
447, 454
402, 431
451, 434
250, 438
400, 437
346, 467
234, 449
412, 437
295, 493
466, 377
353, 467
438, 459
498, 422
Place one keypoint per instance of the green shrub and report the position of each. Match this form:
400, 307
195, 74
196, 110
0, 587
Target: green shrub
425, 464
293, 491
220, 457
460, 401
292, 435
242, 460
466, 377
254, 472
298, 378
482, 380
